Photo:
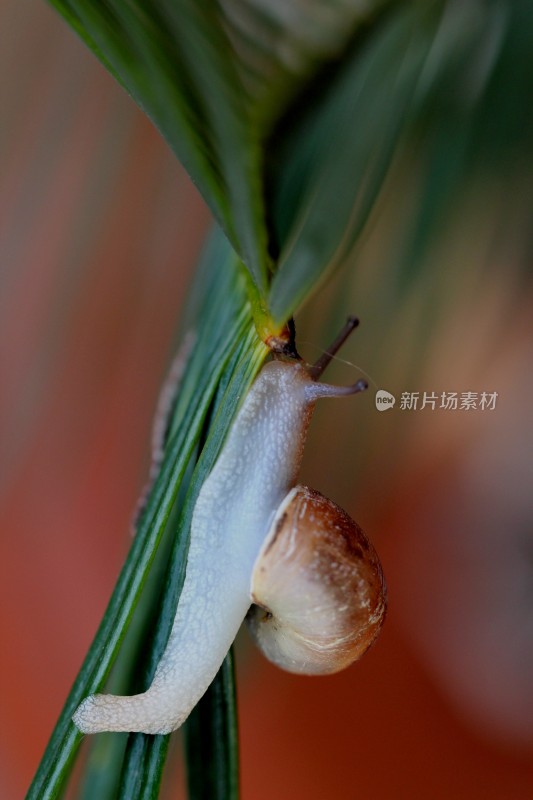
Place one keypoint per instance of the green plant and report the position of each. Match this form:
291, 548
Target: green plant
291, 160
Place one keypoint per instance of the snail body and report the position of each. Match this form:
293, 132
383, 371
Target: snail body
234, 512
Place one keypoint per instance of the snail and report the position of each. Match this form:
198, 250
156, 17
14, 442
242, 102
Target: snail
246, 517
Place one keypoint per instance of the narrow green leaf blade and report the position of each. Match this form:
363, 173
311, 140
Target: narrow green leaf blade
175, 60
281, 46
144, 761
212, 742
220, 326
334, 164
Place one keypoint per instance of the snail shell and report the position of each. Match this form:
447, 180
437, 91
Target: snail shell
318, 587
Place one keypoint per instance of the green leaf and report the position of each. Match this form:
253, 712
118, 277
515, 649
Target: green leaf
175, 60
224, 328
473, 124
143, 767
211, 741
214, 78
145, 756
330, 169
281, 46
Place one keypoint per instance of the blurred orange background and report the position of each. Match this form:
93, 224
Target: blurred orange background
100, 231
